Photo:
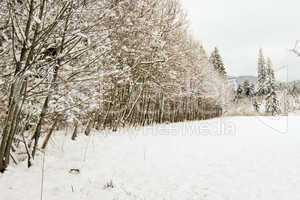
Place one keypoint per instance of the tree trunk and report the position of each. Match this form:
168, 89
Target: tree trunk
44, 145
75, 132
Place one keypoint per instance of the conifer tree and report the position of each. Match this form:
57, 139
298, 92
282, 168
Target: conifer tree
256, 106
261, 90
270, 77
251, 90
239, 91
270, 70
246, 88
216, 60
272, 102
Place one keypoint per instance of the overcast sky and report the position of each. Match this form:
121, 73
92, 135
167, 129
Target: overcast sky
240, 27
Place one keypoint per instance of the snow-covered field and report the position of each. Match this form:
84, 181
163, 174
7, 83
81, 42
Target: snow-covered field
238, 158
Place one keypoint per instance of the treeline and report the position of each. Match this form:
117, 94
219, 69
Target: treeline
98, 64
265, 94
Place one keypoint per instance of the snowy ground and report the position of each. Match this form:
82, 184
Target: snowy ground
248, 158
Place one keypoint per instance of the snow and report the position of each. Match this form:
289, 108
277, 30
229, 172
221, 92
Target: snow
234, 158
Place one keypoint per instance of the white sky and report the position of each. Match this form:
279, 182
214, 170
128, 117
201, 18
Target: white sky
240, 27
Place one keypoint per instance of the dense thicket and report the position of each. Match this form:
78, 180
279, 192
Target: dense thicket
98, 64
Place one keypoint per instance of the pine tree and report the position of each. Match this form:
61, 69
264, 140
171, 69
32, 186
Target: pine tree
256, 105
262, 73
269, 78
270, 70
216, 60
246, 88
272, 102
239, 91
251, 90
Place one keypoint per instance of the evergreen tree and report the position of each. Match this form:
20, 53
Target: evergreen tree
272, 102
239, 91
256, 105
270, 77
251, 90
262, 73
246, 88
216, 60
270, 70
